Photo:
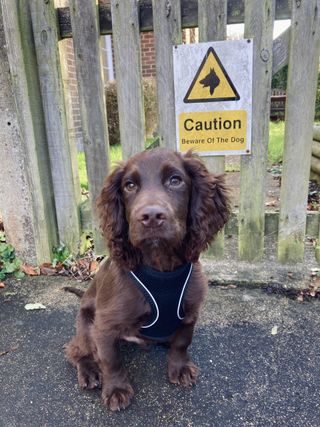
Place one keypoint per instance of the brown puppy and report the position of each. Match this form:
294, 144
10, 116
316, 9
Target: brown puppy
159, 211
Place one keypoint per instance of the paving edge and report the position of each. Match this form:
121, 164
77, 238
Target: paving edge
240, 273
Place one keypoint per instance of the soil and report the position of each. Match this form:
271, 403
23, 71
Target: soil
273, 183
273, 180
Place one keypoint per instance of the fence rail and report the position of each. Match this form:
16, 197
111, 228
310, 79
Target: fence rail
189, 15
39, 63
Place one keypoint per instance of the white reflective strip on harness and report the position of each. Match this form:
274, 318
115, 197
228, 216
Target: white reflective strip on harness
156, 305
182, 292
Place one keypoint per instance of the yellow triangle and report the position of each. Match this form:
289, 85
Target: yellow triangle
211, 82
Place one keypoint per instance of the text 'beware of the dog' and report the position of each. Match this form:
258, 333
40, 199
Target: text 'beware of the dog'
213, 96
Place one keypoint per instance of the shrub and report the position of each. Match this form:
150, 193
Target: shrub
150, 109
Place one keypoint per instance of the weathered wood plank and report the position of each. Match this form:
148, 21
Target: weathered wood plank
44, 21
316, 148
212, 19
231, 228
86, 43
126, 39
315, 165
301, 92
167, 32
189, 15
316, 133
258, 25
280, 51
26, 200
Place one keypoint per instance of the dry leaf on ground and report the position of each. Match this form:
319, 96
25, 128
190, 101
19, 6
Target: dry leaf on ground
29, 270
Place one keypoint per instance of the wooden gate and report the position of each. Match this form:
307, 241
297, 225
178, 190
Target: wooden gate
40, 163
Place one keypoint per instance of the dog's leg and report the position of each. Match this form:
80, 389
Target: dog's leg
79, 351
116, 389
180, 369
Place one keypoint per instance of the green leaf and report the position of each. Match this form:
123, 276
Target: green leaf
19, 274
61, 253
85, 243
9, 267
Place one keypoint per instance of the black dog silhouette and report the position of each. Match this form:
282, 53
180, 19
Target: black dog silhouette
211, 80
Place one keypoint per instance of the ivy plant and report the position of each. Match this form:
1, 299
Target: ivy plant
9, 263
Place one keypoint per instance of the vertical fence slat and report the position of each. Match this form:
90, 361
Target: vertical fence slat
44, 22
26, 195
212, 18
68, 100
86, 42
259, 17
301, 91
126, 39
167, 32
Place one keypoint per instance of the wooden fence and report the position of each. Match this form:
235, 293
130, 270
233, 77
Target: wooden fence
43, 170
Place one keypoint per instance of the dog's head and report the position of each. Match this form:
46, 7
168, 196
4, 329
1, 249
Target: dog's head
160, 197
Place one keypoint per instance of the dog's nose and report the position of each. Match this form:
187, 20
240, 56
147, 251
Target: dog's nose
153, 216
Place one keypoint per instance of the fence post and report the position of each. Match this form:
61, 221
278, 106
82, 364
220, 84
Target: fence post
44, 23
259, 17
86, 42
126, 39
26, 194
212, 18
301, 92
167, 33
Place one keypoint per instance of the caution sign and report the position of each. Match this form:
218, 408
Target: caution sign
212, 82
211, 131
213, 97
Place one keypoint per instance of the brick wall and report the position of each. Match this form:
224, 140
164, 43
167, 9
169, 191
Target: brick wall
148, 70
148, 55
75, 127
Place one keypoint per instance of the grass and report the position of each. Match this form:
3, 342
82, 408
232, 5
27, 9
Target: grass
275, 151
276, 142
115, 155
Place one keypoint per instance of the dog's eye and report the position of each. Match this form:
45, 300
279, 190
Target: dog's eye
175, 180
130, 186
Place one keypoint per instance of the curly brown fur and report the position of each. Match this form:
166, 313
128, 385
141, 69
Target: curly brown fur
160, 209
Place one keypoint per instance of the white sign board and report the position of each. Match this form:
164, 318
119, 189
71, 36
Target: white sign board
213, 96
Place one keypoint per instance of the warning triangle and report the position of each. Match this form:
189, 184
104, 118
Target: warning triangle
211, 82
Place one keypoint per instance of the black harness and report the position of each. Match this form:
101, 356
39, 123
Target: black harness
165, 292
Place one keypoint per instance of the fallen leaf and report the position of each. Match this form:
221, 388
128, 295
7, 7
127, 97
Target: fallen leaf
2, 285
274, 330
35, 306
93, 266
29, 270
47, 269
9, 294
300, 298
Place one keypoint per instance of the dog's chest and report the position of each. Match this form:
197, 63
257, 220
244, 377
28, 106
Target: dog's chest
164, 291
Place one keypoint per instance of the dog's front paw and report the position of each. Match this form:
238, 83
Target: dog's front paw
117, 398
88, 374
88, 379
185, 375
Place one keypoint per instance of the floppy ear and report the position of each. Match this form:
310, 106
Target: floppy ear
114, 225
209, 206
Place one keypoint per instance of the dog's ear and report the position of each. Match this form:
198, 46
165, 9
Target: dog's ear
114, 225
209, 206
